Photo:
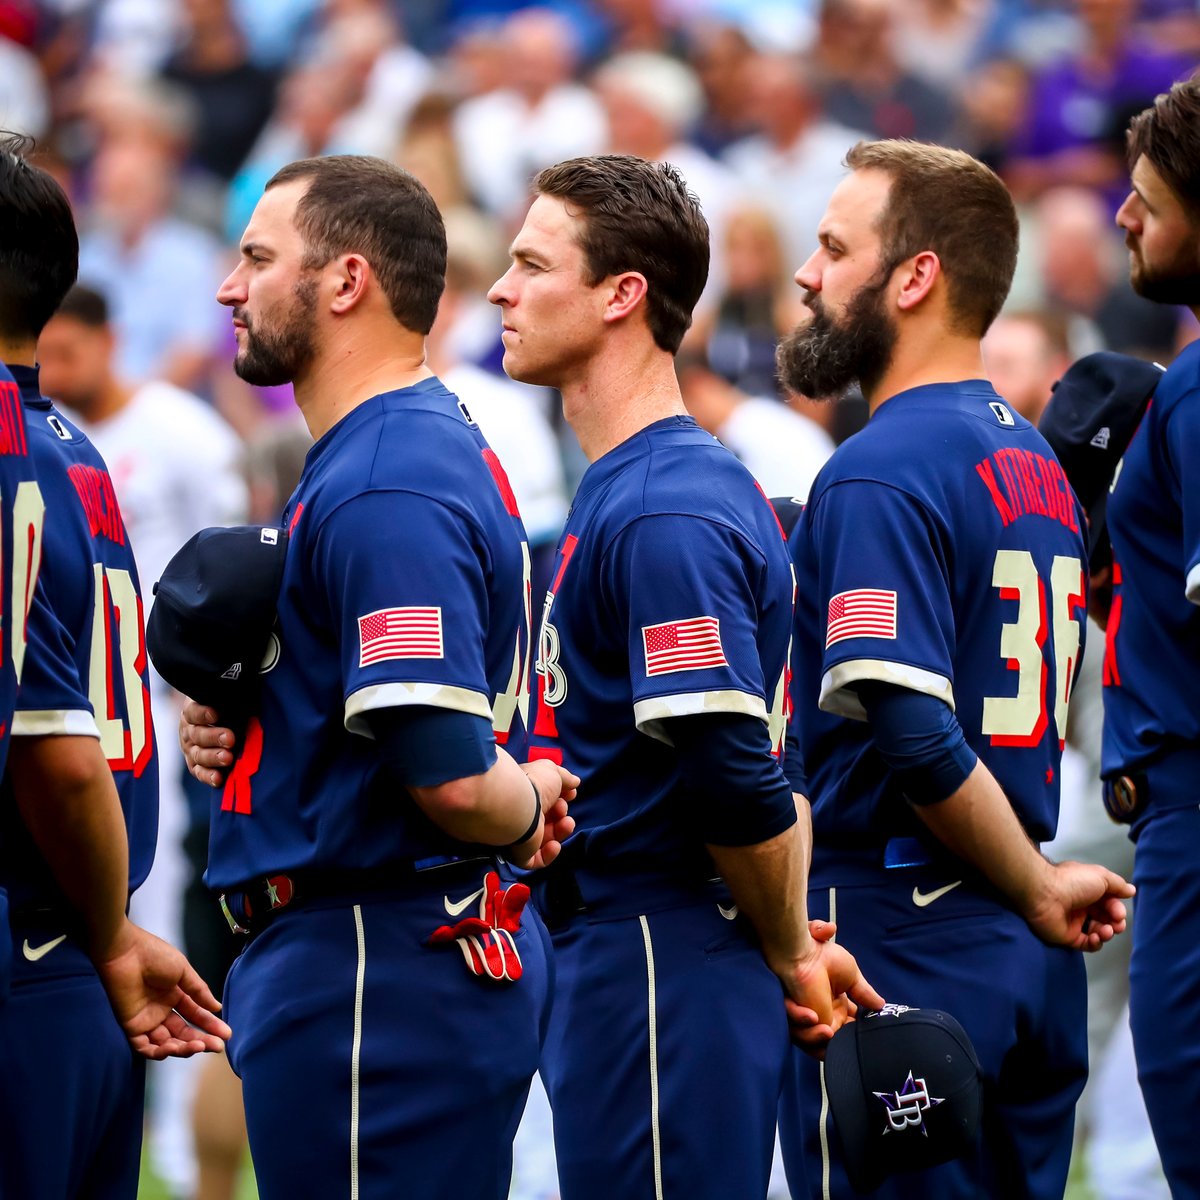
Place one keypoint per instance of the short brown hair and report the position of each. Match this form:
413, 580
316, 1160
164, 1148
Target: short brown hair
948, 202
1168, 134
355, 204
638, 216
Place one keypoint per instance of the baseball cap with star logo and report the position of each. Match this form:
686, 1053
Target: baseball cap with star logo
905, 1091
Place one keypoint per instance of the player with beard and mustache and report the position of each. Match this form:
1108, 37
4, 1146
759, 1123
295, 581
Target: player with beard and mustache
941, 611
1151, 750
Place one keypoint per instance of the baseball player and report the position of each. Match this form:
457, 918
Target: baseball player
389, 1004
1151, 745
937, 636
79, 801
677, 911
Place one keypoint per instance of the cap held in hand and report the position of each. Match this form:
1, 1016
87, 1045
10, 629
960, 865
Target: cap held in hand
210, 631
905, 1092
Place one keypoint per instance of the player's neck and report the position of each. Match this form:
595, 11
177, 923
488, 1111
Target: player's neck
613, 399
20, 352
339, 381
938, 357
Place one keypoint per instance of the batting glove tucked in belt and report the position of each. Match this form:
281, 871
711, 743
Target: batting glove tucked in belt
486, 941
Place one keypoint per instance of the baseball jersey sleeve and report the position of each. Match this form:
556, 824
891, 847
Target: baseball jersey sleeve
883, 594
1183, 436
405, 581
51, 700
684, 588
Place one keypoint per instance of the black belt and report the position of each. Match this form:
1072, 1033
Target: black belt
250, 907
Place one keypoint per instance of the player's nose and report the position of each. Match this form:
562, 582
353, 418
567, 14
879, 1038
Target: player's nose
232, 290
501, 291
807, 276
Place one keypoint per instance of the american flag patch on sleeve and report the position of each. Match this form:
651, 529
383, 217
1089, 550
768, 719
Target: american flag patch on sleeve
863, 612
691, 645
399, 633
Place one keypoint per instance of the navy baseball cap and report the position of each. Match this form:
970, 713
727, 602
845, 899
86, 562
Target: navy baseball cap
1092, 415
905, 1092
210, 631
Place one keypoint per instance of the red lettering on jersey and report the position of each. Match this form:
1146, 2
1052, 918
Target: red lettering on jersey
237, 794
295, 518
99, 501
12, 420
988, 475
501, 478
1028, 484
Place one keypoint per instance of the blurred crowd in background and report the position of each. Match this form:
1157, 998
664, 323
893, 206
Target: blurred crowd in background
164, 118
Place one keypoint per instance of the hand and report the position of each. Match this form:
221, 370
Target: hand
1081, 908
823, 990
207, 746
557, 787
164, 1007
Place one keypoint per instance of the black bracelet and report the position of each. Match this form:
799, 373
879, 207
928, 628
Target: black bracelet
537, 816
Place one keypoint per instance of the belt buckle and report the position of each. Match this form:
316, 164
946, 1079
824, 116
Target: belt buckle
231, 920
1124, 797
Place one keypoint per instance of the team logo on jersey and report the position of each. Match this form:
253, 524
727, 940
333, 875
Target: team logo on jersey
691, 645
64, 434
907, 1106
862, 612
412, 632
1001, 413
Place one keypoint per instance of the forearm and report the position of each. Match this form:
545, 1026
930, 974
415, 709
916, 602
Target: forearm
69, 803
769, 881
978, 824
494, 808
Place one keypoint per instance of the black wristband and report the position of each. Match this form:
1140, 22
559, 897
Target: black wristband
537, 816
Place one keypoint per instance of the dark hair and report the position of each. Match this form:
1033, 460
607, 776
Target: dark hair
360, 205
85, 305
638, 216
948, 202
39, 247
1168, 134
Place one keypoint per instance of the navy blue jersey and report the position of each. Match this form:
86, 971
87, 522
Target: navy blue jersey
21, 516
672, 595
406, 582
941, 550
1151, 706
86, 669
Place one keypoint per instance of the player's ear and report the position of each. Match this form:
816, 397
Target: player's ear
350, 274
916, 277
626, 292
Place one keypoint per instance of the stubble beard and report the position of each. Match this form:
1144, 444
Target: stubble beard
275, 355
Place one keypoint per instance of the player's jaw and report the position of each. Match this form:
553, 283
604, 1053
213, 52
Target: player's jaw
1176, 281
278, 344
825, 356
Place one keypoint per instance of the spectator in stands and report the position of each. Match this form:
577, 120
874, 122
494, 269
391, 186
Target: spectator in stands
796, 158
1081, 103
159, 271
540, 115
1026, 352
